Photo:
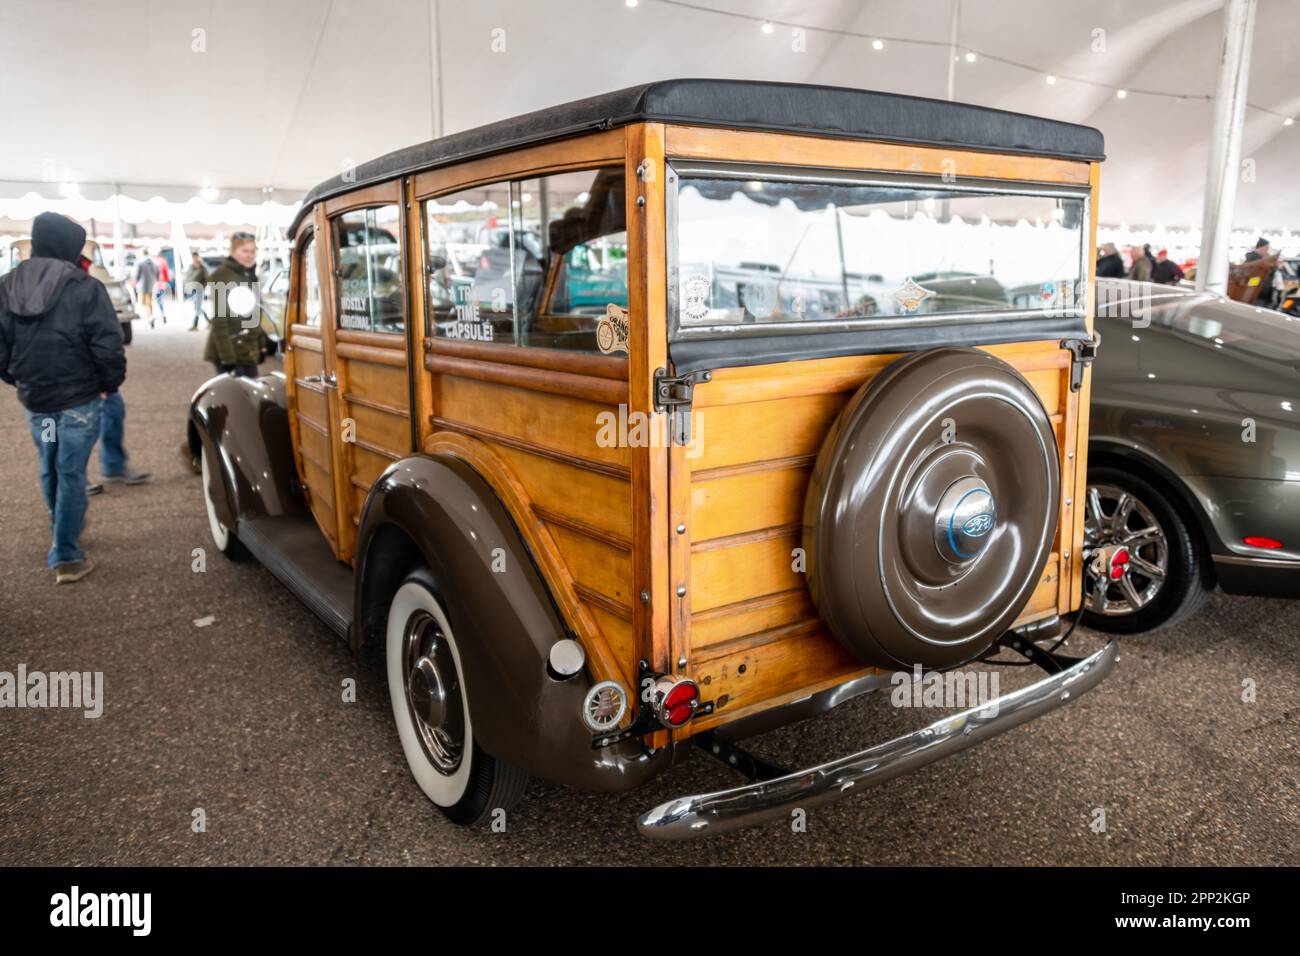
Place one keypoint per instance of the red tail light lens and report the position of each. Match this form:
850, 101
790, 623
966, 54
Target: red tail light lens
1256, 541
677, 700
1118, 564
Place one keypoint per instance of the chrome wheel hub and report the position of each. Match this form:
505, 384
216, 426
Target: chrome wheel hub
1126, 552
433, 692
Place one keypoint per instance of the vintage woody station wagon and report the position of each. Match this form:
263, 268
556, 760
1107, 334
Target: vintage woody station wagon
675, 414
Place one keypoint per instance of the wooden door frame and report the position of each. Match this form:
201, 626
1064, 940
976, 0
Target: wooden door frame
388, 193
655, 604
311, 225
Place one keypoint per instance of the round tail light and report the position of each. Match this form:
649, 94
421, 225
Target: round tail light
675, 700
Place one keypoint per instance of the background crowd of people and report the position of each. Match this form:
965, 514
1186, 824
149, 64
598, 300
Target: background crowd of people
1142, 265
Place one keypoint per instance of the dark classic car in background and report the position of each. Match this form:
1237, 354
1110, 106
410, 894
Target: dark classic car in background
1194, 454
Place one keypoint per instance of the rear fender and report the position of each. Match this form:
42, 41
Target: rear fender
439, 512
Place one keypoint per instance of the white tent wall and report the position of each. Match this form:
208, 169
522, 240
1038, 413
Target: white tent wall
242, 95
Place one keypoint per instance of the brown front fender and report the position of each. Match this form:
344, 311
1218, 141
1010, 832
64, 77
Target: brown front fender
244, 425
437, 511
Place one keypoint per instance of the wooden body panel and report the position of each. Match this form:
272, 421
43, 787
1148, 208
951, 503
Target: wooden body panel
571, 493
375, 421
752, 635
719, 600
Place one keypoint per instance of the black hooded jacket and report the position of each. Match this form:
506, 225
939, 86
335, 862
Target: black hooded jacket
60, 340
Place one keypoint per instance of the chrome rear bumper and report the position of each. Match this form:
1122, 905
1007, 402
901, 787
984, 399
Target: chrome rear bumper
706, 814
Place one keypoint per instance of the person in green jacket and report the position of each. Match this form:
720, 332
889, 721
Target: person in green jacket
235, 334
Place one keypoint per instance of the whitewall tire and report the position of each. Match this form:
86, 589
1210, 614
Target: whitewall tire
222, 537
432, 711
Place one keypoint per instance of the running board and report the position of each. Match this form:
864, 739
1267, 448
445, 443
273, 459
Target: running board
293, 549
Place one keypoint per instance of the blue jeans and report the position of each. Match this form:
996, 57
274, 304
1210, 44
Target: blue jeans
65, 440
112, 426
195, 297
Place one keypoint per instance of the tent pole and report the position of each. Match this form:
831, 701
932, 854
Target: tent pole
119, 253
945, 205
952, 50
435, 68
1225, 145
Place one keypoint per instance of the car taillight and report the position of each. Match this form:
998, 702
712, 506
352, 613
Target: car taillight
675, 701
1257, 541
1118, 564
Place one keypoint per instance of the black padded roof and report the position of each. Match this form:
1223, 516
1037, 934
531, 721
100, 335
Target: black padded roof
744, 104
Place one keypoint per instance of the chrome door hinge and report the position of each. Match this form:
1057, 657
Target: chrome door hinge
673, 394
1083, 352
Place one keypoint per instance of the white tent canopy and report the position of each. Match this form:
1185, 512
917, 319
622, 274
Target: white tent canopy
164, 97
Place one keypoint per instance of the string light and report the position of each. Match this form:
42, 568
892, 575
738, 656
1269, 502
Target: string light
1288, 121
767, 27
1051, 79
631, 3
877, 44
971, 55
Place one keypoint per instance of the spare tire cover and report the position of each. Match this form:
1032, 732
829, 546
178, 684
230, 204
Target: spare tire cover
932, 509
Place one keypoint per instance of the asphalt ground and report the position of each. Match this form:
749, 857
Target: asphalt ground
244, 718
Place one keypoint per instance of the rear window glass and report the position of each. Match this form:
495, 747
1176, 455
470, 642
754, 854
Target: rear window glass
770, 251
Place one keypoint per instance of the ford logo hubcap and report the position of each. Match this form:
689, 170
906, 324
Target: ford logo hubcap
964, 520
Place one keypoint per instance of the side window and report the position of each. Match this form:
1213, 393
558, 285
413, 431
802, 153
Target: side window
532, 263
572, 230
309, 311
369, 258
467, 265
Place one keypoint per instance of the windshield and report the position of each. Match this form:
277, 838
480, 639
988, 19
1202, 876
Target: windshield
768, 251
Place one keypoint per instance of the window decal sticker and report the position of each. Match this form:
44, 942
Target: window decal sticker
696, 290
910, 295
611, 333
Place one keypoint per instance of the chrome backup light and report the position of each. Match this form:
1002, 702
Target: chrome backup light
604, 706
674, 700
566, 658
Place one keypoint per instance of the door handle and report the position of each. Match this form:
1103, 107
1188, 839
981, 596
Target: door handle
328, 380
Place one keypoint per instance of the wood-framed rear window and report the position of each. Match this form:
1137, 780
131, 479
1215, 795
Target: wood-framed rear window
531, 262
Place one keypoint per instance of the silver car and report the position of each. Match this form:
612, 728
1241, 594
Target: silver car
1194, 454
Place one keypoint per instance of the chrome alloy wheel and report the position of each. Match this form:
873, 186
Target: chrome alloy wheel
1126, 553
433, 692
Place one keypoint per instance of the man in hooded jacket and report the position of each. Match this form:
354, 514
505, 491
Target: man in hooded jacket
61, 345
